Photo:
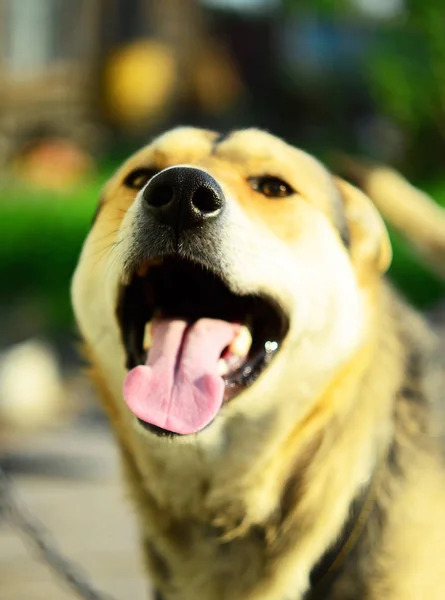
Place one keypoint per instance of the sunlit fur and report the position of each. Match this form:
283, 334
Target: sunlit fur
244, 509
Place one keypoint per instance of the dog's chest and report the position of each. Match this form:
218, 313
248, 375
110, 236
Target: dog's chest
195, 563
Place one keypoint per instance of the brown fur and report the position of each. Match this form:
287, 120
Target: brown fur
350, 407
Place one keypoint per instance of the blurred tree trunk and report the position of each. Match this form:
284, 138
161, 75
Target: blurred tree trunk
179, 24
207, 78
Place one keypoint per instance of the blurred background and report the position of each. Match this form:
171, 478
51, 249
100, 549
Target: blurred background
83, 84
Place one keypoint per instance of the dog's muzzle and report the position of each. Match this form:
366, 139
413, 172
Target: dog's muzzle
205, 343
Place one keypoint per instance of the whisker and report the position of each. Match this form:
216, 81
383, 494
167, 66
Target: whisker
114, 257
100, 251
105, 236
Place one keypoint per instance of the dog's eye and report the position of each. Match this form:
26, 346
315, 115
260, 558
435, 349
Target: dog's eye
272, 187
138, 178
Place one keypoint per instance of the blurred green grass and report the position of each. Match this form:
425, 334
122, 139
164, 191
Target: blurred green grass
41, 237
42, 234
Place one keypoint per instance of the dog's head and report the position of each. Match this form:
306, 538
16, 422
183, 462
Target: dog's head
225, 276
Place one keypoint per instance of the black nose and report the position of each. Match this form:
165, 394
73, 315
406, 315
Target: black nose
183, 197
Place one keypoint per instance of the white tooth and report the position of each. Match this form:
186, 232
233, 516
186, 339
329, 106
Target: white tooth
233, 361
241, 344
148, 339
222, 366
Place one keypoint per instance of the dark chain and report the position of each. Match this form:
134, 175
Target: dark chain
18, 516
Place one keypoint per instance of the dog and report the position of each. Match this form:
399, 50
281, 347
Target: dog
278, 406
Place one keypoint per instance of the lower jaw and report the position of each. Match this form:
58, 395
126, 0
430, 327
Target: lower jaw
158, 431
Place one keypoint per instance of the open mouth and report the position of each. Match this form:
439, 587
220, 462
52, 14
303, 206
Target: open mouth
191, 343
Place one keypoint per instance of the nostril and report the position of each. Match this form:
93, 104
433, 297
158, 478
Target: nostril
182, 197
205, 200
161, 196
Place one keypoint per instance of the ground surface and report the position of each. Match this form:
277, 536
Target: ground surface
70, 480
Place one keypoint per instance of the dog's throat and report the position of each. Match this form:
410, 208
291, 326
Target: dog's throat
179, 388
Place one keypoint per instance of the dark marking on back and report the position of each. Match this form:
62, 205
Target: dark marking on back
412, 395
411, 390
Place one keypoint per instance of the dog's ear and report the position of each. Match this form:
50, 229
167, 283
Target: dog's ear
369, 240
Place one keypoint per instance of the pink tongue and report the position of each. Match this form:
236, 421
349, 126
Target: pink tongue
179, 388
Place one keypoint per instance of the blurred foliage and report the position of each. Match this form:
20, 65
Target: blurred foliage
404, 69
407, 73
42, 234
